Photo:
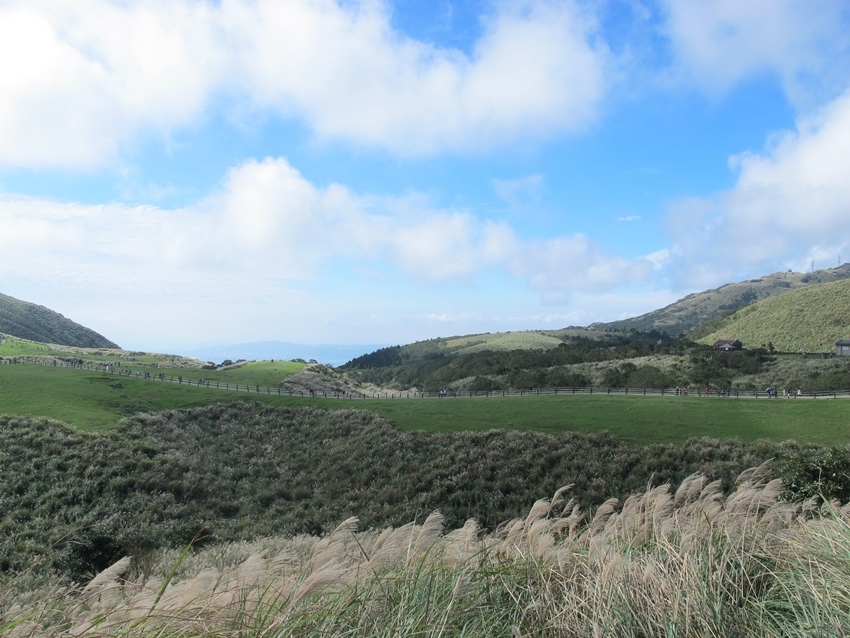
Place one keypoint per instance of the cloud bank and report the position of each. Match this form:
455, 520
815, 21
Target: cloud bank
267, 218
99, 74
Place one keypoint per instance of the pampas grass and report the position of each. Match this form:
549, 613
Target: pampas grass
689, 562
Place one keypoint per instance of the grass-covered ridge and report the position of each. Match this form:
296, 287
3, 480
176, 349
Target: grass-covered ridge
31, 321
242, 471
687, 562
809, 319
691, 311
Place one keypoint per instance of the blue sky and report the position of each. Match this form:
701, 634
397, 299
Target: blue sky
181, 173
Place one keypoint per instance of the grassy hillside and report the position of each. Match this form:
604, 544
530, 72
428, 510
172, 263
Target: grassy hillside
695, 309
809, 319
495, 342
502, 361
37, 323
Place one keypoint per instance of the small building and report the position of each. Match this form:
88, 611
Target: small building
842, 348
727, 345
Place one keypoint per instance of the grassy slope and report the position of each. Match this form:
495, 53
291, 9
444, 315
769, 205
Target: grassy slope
31, 321
689, 312
810, 319
496, 341
96, 402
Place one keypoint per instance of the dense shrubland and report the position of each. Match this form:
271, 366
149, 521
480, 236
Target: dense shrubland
241, 471
634, 360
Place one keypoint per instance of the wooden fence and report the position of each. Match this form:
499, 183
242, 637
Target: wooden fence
440, 394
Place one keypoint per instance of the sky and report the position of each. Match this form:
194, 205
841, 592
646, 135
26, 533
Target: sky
181, 173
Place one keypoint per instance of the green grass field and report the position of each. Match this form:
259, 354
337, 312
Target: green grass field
94, 401
637, 419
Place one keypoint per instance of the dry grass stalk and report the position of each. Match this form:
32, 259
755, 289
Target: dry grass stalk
692, 560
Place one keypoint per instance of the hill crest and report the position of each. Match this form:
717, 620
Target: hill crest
808, 319
27, 320
695, 309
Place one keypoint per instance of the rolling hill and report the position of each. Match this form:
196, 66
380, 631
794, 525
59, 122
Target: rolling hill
691, 311
496, 342
37, 323
809, 319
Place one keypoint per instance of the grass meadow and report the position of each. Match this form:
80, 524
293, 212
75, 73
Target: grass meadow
690, 562
94, 401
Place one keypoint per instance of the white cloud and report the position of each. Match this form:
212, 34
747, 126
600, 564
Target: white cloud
790, 203
718, 43
532, 74
81, 81
267, 224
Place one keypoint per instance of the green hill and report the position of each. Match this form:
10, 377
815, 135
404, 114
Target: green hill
37, 323
691, 311
809, 319
496, 342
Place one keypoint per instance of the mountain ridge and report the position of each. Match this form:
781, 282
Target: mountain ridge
31, 321
808, 319
689, 312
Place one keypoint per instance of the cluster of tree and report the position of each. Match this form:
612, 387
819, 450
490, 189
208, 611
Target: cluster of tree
716, 368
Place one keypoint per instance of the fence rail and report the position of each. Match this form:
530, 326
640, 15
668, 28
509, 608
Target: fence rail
203, 382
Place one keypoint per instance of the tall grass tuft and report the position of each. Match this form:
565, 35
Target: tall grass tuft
689, 562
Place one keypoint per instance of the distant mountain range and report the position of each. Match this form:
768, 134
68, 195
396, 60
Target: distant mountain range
691, 311
30, 321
